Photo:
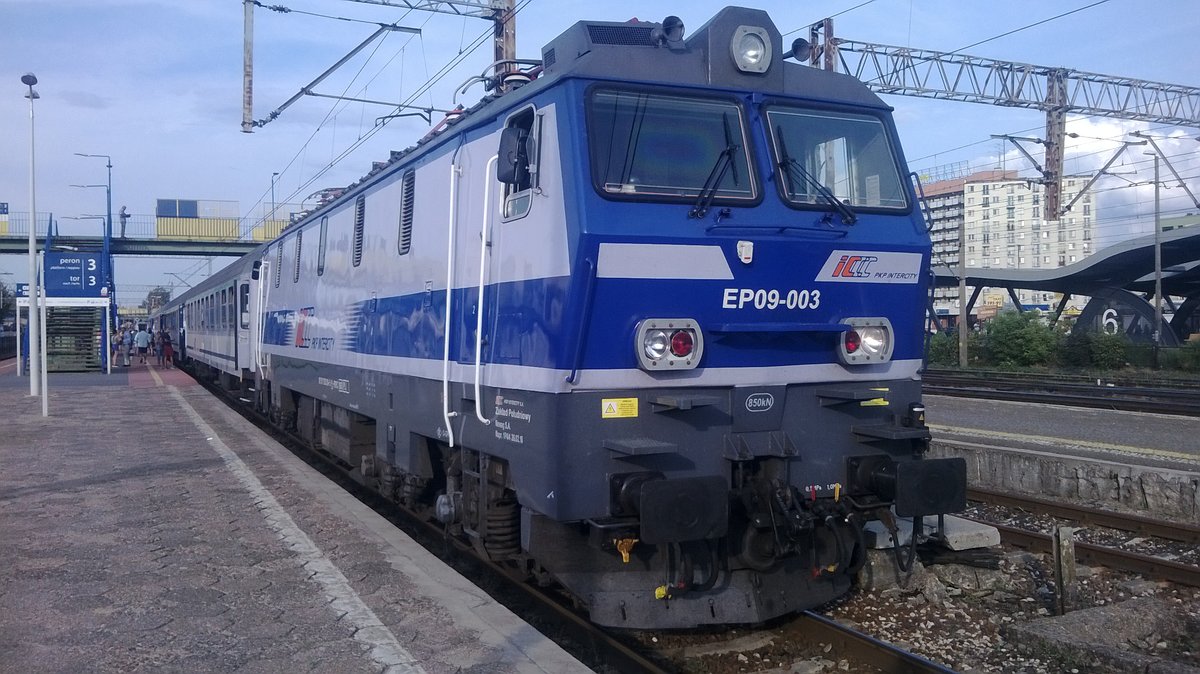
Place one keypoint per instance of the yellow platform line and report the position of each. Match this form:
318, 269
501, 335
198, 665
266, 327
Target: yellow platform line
154, 373
1088, 444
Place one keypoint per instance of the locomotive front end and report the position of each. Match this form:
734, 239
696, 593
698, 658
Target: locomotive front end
744, 388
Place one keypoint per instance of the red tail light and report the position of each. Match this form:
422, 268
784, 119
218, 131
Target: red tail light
682, 343
853, 341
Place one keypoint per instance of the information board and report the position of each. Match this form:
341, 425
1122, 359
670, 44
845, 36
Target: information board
74, 275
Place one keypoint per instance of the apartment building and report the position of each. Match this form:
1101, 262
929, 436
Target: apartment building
1006, 226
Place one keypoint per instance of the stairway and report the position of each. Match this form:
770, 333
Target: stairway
73, 336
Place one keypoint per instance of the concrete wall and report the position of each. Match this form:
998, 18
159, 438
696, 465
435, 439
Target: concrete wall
1153, 492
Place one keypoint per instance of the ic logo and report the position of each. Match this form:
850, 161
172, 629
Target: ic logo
759, 402
853, 266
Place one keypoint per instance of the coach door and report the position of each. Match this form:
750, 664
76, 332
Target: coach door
245, 360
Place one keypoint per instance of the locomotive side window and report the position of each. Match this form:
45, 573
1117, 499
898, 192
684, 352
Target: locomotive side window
848, 155
518, 195
321, 245
647, 144
360, 213
407, 198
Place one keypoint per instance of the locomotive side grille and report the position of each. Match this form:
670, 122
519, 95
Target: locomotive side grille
296, 271
633, 36
360, 212
278, 262
548, 58
406, 211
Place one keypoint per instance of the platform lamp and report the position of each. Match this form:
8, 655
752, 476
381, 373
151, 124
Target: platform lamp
35, 350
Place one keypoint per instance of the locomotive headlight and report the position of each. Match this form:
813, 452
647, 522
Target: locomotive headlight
668, 344
869, 340
751, 49
654, 344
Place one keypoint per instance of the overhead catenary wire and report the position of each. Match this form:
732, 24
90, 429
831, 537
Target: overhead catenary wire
445, 70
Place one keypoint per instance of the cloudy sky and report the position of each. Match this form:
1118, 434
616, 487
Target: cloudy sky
157, 85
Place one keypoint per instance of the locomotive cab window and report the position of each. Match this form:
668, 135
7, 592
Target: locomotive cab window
518, 167
654, 146
845, 155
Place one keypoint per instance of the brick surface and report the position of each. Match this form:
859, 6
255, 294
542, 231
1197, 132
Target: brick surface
127, 542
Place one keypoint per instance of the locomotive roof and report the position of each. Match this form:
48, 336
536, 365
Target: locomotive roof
639, 52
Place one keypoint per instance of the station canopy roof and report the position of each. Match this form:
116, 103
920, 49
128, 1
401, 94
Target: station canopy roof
1128, 264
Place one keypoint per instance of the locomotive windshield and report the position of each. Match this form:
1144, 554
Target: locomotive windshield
846, 155
667, 146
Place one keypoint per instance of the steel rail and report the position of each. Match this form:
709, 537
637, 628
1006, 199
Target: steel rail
1185, 533
1175, 403
1152, 567
816, 628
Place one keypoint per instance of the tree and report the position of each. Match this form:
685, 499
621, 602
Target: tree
1020, 339
8, 303
156, 298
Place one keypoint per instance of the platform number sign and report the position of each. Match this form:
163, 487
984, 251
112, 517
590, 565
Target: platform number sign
73, 275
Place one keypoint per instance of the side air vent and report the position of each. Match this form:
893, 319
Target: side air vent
633, 36
360, 212
407, 196
548, 58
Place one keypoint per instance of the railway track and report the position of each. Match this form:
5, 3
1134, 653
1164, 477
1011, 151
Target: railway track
1134, 395
865, 650
1115, 558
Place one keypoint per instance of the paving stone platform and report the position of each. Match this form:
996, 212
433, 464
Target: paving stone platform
144, 525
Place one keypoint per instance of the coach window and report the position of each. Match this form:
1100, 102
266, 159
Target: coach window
518, 196
231, 309
321, 245
407, 198
222, 315
244, 302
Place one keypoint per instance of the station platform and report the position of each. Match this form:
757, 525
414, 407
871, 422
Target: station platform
147, 526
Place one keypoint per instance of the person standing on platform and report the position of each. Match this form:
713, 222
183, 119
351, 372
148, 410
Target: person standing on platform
142, 341
127, 345
166, 352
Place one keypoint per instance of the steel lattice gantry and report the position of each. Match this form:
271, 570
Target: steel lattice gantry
1057, 91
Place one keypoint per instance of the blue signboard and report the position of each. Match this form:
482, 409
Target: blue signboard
73, 275
22, 290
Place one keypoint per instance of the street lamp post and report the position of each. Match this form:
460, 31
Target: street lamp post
107, 267
29, 79
273, 177
1158, 298
106, 334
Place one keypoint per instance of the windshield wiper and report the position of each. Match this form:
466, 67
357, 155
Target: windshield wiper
724, 164
795, 168
715, 176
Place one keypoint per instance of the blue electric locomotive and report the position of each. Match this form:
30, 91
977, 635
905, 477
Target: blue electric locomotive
649, 324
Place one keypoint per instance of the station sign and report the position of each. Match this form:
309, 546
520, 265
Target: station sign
22, 290
74, 275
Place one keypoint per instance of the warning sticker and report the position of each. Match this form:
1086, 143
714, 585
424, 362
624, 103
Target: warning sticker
618, 408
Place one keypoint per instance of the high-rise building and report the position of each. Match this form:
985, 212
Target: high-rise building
1005, 225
